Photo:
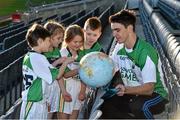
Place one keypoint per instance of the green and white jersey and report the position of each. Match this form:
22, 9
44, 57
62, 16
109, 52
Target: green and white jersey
96, 47
53, 55
117, 48
140, 65
66, 53
37, 72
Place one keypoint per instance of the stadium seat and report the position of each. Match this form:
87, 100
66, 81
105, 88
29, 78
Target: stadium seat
12, 27
96, 115
12, 40
69, 20
53, 17
171, 10
9, 79
66, 15
176, 62
80, 21
36, 20
81, 13
96, 105
13, 53
12, 32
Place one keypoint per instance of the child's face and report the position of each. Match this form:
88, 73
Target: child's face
91, 36
56, 40
44, 44
76, 43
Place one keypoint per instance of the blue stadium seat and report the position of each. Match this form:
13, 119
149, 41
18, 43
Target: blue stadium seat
176, 61
80, 21
9, 79
66, 15
12, 40
53, 17
3, 27
12, 27
36, 20
171, 10
12, 32
13, 53
81, 13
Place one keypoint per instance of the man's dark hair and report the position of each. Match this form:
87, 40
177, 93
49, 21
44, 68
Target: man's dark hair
36, 32
125, 17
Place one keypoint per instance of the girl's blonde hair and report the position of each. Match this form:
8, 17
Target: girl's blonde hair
54, 27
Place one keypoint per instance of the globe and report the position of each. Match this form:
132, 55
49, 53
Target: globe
96, 69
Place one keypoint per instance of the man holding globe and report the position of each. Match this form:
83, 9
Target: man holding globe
143, 92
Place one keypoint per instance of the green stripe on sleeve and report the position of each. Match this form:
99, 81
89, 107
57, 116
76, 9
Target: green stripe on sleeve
54, 73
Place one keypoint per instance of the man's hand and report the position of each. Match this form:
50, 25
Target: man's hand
121, 89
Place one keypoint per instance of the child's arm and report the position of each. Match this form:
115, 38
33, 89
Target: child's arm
66, 95
82, 94
45, 70
63, 67
71, 73
59, 61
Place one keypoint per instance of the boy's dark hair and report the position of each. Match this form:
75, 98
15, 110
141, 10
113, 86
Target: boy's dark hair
36, 32
93, 23
54, 27
125, 17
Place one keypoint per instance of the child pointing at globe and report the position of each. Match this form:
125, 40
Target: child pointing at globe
54, 57
38, 79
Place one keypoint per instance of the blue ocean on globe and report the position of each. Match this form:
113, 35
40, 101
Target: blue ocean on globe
96, 69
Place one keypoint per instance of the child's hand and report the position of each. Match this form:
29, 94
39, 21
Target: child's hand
62, 59
49, 107
69, 60
82, 96
66, 96
75, 57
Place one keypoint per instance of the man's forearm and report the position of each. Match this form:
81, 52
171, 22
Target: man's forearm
146, 89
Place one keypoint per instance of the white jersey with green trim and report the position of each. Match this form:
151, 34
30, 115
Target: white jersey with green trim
38, 74
66, 53
72, 85
140, 65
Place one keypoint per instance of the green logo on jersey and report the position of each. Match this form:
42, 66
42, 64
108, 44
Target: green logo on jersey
128, 74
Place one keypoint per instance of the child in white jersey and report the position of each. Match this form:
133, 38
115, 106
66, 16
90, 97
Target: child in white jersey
39, 76
54, 56
73, 41
57, 33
